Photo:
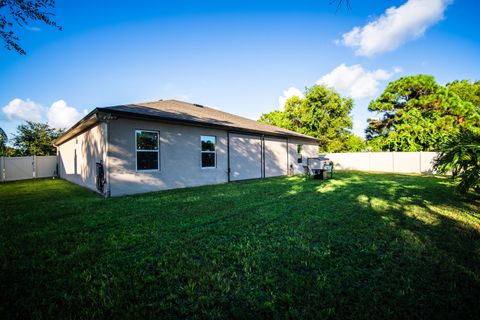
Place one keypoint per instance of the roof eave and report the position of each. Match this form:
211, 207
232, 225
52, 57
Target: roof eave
86, 122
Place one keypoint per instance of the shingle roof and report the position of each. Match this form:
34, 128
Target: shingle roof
179, 111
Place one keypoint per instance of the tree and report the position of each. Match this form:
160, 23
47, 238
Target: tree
461, 157
35, 139
467, 91
354, 143
322, 113
3, 141
417, 114
19, 13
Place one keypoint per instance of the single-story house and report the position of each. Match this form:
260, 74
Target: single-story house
168, 144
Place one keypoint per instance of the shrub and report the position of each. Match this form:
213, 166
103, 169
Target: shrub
461, 157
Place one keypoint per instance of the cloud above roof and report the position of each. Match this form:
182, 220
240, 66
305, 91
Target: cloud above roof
24, 110
395, 27
287, 94
58, 115
61, 115
352, 81
355, 81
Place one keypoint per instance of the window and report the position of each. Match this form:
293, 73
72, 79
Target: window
208, 151
299, 153
147, 150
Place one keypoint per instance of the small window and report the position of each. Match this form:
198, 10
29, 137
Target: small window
208, 151
147, 150
299, 153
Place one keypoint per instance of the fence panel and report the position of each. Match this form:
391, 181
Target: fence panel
351, 160
426, 161
381, 161
22, 168
46, 166
406, 162
18, 168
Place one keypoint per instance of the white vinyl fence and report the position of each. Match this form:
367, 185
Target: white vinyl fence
21, 168
407, 162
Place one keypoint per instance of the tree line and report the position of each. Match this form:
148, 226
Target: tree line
413, 113
30, 139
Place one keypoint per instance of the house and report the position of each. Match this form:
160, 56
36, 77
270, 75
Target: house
159, 145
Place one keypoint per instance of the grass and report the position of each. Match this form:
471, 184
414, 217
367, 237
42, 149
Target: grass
360, 246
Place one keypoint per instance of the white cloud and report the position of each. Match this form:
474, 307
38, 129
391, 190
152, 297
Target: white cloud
355, 81
287, 94
395, 27
24, 110
59, 115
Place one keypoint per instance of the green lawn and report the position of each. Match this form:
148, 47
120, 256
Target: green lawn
363, 245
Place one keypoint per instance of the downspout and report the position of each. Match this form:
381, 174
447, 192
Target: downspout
106, 118
288, 162
262, 173
106, 156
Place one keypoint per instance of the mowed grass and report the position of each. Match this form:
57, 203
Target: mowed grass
360, 246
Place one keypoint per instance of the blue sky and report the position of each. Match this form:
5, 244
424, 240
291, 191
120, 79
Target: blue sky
238, 56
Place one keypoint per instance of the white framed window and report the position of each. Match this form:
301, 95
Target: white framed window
209, 151
299, 153
147, 148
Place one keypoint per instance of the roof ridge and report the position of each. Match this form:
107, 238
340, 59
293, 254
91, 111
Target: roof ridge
182, 111
235, 115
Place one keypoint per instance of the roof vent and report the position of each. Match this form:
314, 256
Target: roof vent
198, 105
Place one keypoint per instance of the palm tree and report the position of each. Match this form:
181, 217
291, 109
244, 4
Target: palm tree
461, 157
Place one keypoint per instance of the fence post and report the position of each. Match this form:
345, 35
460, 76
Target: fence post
2, 169
34, 166
420, 162
393, 161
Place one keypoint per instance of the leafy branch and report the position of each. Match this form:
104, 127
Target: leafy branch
18, 13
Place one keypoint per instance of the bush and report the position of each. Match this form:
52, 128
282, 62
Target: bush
461, 157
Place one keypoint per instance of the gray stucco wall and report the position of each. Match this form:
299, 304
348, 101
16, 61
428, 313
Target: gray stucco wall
77, 156
276, 157
309, 150
180, 157
245, 157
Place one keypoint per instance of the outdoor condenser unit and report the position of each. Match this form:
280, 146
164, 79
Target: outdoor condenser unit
320, 167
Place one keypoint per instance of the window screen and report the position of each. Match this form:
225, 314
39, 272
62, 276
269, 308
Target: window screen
208, 151
147, 148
